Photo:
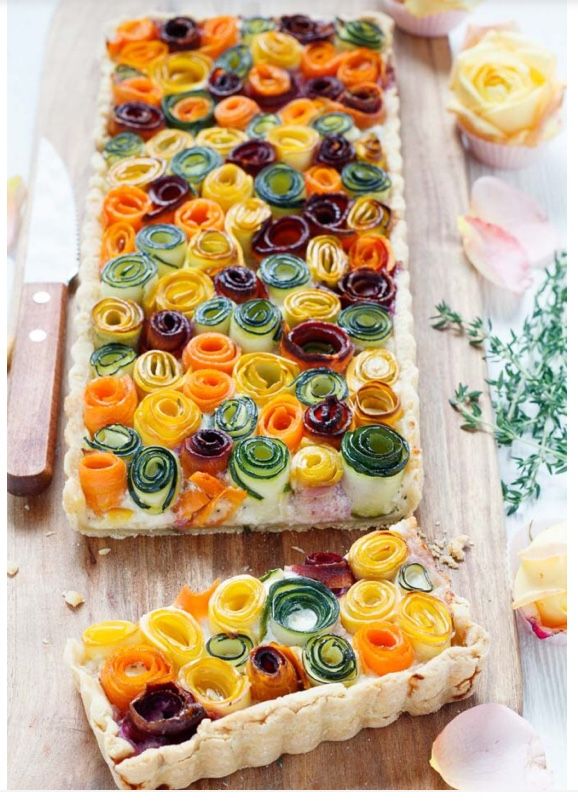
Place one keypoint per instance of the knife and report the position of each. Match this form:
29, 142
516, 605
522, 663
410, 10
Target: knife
37, 361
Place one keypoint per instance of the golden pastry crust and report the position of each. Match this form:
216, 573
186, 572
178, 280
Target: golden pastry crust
402, 344
293, 724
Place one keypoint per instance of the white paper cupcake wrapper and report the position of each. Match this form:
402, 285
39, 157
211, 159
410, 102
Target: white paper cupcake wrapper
501, 157
430, 27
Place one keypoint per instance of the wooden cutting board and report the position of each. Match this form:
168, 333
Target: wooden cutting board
50, 745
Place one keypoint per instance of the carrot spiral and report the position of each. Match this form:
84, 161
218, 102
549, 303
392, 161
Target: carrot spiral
132, 30
208, 387
383, 648
218, 34
128, 671
236, 111
109, 400
274, 670
199, 214
117, 239
371, 251
127, 204
211, 350
140, 54
321, 180
319, 60
103, 480
360, 66
282, 418
376, 402
139, 88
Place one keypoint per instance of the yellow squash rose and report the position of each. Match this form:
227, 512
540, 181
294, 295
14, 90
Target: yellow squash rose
424, 8
505, 89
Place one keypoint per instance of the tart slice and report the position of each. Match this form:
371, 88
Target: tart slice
203, 686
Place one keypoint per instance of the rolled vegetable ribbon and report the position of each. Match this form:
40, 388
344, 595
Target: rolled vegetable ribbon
236, 111
228, 185
261, 124
414, 577
166, 417
141, 55
223, 140
256, 325
359, 33
155, 370
109, 400
154, 479
167, 194
276, 48
237, 606
128, 671
123, 71
195, 163
253, 156
327, 421
218, 34
426, 622
115, 438
335, 122
163, 714
317, 384
101, 639
114, 358
134, 30
181, 290
210, 251
200, 213
369, 148
294, 144
316, 466
244, 219
376, 402
372, 365
262, 376
224, 84
327, 213
273, 671
367, 180
180, 33
368, 601
282, 274
231, 648
305, 29
321, 180
310, 304
270, 87
377, 556
329, 568
136, 117
137, 88
189, 111
367, 324
287, 235
301, 111
319, 59
375, 457
383, 648
236, 59
299, 608
122, 146
216, 685
117, 320
317, 344
175, 633
168, 331
375, 286
367, 215
326, 259
207, 450
282, 418
236, 417
335, 151
329, 658
211, 349
139, 171
328, 87
182, 72
103, 480
168, 142
239, 284
251, 26
165, 244
128, 277
371, 251
127, 204
260, 466
214, 315
361, 65
208, 387
282, 187
117, 240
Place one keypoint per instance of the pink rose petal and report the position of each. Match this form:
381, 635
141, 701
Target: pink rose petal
495, 253
490, 747
495, 201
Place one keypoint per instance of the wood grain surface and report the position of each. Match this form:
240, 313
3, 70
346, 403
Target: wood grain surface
50, 744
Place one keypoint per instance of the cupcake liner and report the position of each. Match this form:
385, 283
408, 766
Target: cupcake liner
430, 27
501, 157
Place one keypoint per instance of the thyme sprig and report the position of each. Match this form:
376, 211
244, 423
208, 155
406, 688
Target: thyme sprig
528, 395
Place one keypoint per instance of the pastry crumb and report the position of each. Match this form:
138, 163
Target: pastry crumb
458, 546
50, 533
73, 598
297, 548
104, 551
449, 561
12, 568
45, 641
27, 507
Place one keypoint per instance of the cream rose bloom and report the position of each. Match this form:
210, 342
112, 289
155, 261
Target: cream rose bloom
505, 89
425, 8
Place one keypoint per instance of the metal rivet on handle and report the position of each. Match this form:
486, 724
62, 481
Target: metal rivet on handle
38, 335
41, 297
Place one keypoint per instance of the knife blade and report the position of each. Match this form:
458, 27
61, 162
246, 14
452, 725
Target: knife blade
37, 361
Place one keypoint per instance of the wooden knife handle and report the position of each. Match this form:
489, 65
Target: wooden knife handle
34, 392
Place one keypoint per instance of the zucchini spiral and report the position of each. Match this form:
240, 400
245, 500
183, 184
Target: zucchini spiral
189, 111
114, 358
315, 385
377, 556
123, 146
236, 417
336, 122
115, 438
101, 639
165, 244
231, 648
316, 466
310, 304
244, 219
261, 124
128, 277
256, 325
368, 324
168, 142
326, 259
236, 59
376, 402
414, 577
329, 658
166, 417
375, 457
117, 320
237, 606
195, 163
175, 633
367, 215
294, 144
216, 685
181, 291
222, 140
154, 479
281, 187
359, 33
252, 26
135, 171
283, 273
180, 73
227, 185
360, 178
368, 601
214, 315
260, 466
262, 376
155, 370
211, 251
426, 622
372, 365
276, 48
298, 608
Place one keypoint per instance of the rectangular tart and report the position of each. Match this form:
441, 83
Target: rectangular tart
377, 477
